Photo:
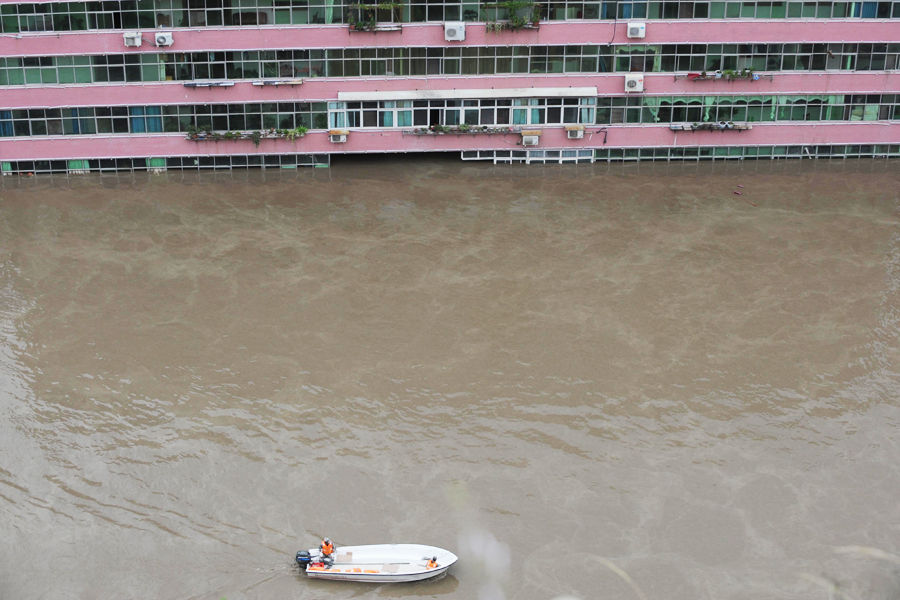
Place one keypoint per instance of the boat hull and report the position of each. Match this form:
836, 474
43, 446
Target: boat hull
376, 577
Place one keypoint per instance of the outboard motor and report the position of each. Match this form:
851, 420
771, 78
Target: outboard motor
303, 559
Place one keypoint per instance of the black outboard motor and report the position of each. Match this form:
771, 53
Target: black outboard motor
303, 559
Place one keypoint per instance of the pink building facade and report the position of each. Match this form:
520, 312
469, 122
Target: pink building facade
174, 84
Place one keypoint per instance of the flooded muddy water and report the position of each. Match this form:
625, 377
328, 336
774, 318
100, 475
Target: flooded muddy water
651, 382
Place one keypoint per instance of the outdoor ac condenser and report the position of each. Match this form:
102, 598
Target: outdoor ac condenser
634, 82
132, 39
164, 38
454, 31
636, 30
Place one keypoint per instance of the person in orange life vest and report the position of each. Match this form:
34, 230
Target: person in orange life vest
432, 562
327, 549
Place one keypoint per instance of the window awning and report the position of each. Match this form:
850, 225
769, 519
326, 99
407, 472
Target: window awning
533, 92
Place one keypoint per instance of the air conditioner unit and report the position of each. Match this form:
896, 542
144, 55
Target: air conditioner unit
634, 82
455, 31
575, 134
132, 39
636, 30
531, 140
164, 38
337, 136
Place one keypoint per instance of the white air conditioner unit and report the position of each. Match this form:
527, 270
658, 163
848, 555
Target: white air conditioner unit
132, 39
454, 31
337, 136
575, 134
531, 140
164, 38
634, 82
636, 30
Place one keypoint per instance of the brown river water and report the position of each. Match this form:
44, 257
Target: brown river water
592, 382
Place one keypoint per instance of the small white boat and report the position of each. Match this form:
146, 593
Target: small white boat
379, 563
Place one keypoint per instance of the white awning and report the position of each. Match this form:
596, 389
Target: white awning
534, 92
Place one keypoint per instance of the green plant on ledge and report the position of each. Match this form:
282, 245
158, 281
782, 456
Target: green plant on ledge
745, 73
462, 128
510, 6
520, 14
197, 135
369, 25
367, 16
392, 6
293, 134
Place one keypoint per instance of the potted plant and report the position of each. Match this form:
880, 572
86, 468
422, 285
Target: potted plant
296, 132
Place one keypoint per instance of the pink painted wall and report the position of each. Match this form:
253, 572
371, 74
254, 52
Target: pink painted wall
432, 35
609, 84
114, 146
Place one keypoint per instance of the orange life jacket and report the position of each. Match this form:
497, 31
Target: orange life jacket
327, 549
431, 564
